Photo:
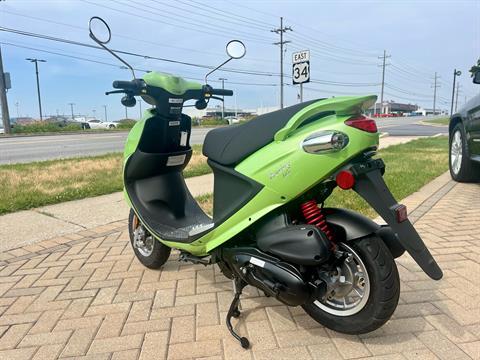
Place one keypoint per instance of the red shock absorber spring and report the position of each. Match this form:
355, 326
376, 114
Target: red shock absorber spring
314, 216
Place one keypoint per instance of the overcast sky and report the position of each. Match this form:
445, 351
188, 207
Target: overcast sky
345, 37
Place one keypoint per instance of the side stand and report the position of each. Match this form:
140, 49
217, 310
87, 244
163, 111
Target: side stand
234, 311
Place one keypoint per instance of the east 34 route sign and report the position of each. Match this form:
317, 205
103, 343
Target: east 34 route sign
301, 67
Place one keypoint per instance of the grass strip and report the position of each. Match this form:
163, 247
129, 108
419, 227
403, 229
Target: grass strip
440, 121
25, 186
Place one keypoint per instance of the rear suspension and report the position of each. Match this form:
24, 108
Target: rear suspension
315, 216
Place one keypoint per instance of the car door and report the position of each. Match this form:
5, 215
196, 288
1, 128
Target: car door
472, 126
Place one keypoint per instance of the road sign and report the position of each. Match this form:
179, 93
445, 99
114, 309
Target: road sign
300, 56
301, 72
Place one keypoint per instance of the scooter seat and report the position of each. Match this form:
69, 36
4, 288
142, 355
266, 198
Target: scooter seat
231, 144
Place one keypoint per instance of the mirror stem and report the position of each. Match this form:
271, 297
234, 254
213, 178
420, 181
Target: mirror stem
218, 67
118, 57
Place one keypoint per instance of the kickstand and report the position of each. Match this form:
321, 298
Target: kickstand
234, 311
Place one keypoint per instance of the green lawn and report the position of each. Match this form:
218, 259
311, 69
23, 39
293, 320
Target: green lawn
25, 186
440, 121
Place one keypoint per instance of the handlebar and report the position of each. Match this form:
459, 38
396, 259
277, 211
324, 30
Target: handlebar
133, 85
222, 92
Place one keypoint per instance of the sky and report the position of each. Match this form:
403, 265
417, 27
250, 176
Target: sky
346, 39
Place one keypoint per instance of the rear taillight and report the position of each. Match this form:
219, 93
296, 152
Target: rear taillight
345, 180
362, 123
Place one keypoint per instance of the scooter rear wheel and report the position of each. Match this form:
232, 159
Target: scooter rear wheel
148, 250
367, 293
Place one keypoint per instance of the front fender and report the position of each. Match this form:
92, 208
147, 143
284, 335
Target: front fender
349, 225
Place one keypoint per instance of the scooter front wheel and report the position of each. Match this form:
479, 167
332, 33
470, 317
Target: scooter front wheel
149, 251
364, 290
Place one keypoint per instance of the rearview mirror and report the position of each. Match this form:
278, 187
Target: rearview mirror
99, 30
476, 78
101, 34
236, 49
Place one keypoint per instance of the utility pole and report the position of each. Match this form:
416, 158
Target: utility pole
280, 31
71, 108
126, 112
105, 111
3, 99
384, 57
223, 97
455, 74
36, 61
435, 86
94, 111
140, 104
456, 96
17, 104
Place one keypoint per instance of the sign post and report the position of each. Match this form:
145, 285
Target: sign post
301, 69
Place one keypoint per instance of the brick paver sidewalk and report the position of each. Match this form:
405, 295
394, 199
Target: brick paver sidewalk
85, 296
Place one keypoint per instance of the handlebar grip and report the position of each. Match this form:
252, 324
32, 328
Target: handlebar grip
222, 92
127, 85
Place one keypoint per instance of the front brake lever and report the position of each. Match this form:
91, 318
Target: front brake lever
216, 98
115, 92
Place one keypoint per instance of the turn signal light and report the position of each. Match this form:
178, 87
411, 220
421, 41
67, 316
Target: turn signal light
362, 123
345, 179
401, 213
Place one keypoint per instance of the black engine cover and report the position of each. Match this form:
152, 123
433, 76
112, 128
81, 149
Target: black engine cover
276, 278
298, 244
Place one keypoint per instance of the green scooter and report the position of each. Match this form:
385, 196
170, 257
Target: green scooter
272, 175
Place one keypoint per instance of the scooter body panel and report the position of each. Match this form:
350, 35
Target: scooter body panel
284, 169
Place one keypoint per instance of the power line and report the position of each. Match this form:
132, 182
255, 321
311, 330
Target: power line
83, 29
200, 28
184, 19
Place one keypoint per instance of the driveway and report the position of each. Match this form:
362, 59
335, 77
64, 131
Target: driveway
84, 295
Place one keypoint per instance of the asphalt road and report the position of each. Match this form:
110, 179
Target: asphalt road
408, 126
34, 148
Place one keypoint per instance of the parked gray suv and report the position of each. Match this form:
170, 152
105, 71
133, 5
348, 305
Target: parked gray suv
464, 131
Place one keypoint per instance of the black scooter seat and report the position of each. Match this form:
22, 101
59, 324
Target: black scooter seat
230, 145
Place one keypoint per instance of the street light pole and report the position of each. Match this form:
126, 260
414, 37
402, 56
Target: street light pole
36, 61
455, 74
105, 110
223, 97
71, 108
140, 104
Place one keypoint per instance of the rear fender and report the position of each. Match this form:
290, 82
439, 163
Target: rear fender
349, 226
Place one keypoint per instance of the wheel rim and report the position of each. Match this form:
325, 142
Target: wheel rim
142, 240
352, 287
456, 152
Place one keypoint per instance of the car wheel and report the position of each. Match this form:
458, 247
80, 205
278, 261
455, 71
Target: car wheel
111, 126
461, 167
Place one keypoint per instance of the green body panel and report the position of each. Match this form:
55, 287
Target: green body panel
282, 167
343, 105
171, 83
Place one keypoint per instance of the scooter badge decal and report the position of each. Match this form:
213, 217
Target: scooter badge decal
283, 170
